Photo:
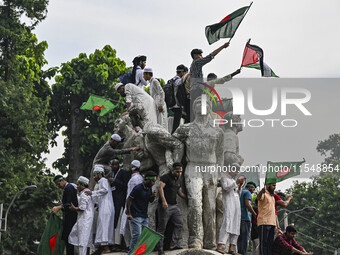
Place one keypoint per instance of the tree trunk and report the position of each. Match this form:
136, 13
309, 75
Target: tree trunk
77, 163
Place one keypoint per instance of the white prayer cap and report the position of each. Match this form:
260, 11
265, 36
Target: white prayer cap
135, 164
98, 169
148, 70
118, 85
83, 180
116, 137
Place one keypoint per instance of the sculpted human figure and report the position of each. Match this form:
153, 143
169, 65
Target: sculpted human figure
204, 150
124, 128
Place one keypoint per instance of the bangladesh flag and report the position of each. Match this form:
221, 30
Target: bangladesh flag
51, 243
227, 27
279, 171
253, 58
96, 103
146, 242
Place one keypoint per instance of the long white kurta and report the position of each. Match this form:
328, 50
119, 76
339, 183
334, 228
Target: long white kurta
136, 179
157, 93
81, 234
232, 209
106, 213
134, 95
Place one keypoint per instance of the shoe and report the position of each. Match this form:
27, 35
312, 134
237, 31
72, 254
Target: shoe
161, 252
221, 251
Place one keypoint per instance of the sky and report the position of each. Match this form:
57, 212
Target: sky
299, 39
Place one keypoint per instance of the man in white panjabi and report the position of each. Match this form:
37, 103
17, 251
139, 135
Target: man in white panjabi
157, 93
136, 179
231, 209
81, 234
106, 211
135, 95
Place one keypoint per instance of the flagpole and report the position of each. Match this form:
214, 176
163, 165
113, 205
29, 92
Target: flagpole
147, 227
241, 20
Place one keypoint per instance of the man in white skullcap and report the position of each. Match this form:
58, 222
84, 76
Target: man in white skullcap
157, 93
136, 179
81, 233
106, 211
136, 95
109, 151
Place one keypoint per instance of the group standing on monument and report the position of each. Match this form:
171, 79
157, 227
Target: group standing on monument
109, 216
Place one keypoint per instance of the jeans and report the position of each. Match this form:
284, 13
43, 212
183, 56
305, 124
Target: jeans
266, 235
243, 239
136, 230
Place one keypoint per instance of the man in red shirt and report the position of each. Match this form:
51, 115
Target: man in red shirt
285, 244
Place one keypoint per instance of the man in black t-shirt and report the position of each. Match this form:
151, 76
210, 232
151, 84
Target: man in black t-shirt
168, 210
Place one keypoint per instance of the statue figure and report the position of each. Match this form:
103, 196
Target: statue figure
204, 150
124, 128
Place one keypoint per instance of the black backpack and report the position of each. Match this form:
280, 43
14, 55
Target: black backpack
181, 94
126, 78
169, 93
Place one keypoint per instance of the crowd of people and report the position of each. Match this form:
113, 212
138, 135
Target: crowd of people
111, 216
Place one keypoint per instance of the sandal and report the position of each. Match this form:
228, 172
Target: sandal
220, 251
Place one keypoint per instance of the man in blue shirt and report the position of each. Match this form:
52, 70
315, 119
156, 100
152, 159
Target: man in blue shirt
137, 206
246, 211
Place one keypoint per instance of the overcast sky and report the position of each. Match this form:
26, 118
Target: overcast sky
299, 38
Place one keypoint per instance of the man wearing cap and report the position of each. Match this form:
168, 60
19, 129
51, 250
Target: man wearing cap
246, 212
69, 216
139, 64
135, 95
157, 93
231, 208
168, 210
81, 233
109, 151
181, 71
137, 206
106, 211
136, 179
118, 179
266, 218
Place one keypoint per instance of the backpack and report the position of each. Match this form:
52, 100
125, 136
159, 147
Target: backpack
169, 93
126, 78
181, 94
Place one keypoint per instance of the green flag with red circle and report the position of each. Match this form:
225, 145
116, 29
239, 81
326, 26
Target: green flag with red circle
146, 242
279, 171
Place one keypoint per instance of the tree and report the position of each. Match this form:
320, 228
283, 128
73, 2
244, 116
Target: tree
330, 148
317, 231
86, 131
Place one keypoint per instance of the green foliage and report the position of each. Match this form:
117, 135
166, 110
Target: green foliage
331, 149
322, 193
86, 131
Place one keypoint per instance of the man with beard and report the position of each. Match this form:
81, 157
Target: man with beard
137, 206
168, 210
266, 218
135, 95
118, 179
69, 216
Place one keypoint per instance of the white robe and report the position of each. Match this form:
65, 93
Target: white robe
231, 209
157, 93
135, 95
106, 213
81, 234
136, 179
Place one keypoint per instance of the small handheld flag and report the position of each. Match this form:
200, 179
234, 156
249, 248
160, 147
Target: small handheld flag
96, 103
146, 242
279, 171
227, 27
253, 58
